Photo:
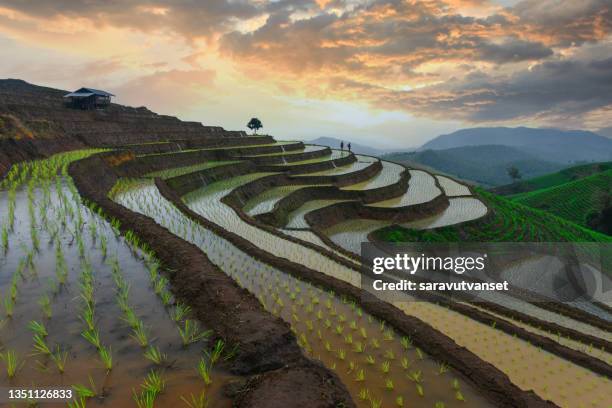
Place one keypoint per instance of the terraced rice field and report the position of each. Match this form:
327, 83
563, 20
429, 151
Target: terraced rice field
296, 217
390, 174
265, 201
460, 210
106, 296
179, 171
361, 163
421, 188
452, 188
306, 149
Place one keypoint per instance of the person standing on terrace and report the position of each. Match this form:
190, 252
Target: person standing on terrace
342, 145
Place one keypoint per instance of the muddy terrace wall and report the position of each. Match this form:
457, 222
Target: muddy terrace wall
249, 190
485, 376
310, 167
290, 157
147, 164
181, 145
292, 201
265, 343
336, 213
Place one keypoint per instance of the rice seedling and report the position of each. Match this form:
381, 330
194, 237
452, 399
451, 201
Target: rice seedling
389, 354
106, 356
179, 312
13, 364
9, 305
370, 360
5, 238
442, 368
360, 377
59, 357
416, 376
201, 401
155, 355
459, 396
385, 366
38, 328
216, 352
439, 404
375, 403
88, 317
153, 383
405, 363
191, 332
389, 384
364, 394
40, 345
84, 391
145, 399
77, 403
45, 305
420, 390
204, 371
93, 337
139, 333
406, 342
399, 401
166, 298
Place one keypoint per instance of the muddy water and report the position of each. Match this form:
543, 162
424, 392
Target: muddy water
452, 188
369, 358
64, 325
296, 217
179, 171
389, 174
265, 202
421, 189
306, 149
361, 163
207, 202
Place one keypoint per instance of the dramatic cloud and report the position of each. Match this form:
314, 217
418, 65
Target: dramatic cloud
557, 92
536, 61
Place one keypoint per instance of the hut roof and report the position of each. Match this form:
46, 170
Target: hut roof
85, 92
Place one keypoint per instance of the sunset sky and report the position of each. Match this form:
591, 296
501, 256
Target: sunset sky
385, 73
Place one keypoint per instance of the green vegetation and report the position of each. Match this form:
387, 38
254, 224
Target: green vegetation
507, 221
554, 179
579, 201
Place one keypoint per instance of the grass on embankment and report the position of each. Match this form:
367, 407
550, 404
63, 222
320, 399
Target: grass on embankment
507, 221
554, 179
578, 201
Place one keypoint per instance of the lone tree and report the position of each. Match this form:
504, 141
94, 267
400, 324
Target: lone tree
514, 173
254, 124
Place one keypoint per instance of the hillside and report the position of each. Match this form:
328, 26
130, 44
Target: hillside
545, 144
34, 123
553, 179
586, 201
507, 221
486, 165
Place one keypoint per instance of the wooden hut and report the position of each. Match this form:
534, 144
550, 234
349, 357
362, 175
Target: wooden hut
88, 98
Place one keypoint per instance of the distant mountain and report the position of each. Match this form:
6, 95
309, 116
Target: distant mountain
486, 165
544, 144
355, 147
